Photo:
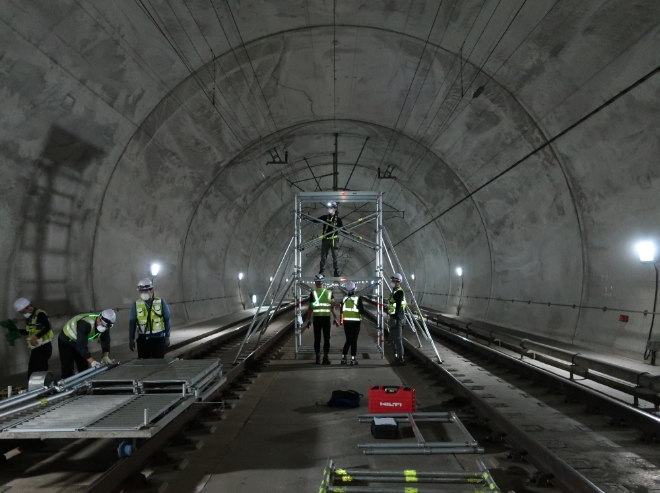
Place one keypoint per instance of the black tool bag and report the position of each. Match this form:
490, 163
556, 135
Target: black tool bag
344, 398
384, 428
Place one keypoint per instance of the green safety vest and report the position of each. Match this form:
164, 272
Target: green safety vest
391, 305
322, 302
149, 321
327, 233
350, 308
71, 328
33, 329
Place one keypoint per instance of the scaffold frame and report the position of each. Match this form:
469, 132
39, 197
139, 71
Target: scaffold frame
380, 243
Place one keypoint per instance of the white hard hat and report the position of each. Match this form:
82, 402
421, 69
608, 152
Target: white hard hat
332, 205
319, 278
109, 317
21, 304
397, 277
145, 284
350, 287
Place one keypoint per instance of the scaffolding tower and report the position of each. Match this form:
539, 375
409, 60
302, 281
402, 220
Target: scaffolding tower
378, 241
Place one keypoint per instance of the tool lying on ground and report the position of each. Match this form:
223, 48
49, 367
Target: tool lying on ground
335, 478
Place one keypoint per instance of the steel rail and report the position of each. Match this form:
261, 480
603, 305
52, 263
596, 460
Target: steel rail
565, 477
633, 417
112, 480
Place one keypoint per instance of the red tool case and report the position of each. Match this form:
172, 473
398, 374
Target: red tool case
384, 399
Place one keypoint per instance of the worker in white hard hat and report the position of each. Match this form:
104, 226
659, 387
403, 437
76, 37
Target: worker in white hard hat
330, 236
350, 315
73, 341
39, 335
150, 318
321, 307
396, 307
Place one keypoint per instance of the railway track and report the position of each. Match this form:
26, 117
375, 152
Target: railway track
575, 437
93, 466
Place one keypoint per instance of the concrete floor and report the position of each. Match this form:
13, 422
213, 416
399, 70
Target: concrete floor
281, 434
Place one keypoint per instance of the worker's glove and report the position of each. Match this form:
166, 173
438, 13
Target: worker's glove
131, 345
308, 325
94, 364
336, 323
106, 360
167, 342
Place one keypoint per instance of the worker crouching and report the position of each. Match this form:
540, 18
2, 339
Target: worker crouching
73, 341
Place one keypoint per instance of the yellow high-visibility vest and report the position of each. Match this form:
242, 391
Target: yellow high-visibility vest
391, 305
322, 302
350, 308
71, 328
33, 329
149, 324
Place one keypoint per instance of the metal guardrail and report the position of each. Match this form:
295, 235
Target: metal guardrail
640, 384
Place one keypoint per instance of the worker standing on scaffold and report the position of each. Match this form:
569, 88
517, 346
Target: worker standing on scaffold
396, 307
351, 312
321, 306
329, 237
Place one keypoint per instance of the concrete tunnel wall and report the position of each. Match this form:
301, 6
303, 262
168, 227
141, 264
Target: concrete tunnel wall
113, 155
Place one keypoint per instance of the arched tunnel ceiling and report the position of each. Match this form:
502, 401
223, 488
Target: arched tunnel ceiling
141, 130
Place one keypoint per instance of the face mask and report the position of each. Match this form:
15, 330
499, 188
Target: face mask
330, 211
145, 296
27, 315
100, 328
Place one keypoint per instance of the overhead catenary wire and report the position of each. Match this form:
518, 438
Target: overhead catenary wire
215, 64
254, 72
412, 82
491, 79
177, 50
537, 149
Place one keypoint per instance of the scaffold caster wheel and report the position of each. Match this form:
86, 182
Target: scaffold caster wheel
125, 449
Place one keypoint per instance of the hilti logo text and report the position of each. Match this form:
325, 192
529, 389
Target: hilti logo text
391, 404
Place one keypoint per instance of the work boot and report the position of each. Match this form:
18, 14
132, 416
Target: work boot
318, 359
400, 361
353, 361
343, 360
326, 361
336, 273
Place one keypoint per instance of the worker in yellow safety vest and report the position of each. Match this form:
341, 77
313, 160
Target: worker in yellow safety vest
330, 237
39, 335
73, 341
150, 318
350, 315
321, 307
396, 307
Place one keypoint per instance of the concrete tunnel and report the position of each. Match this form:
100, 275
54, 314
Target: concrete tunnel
140, 132
515, 140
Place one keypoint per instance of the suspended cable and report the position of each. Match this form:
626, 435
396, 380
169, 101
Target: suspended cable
238, 64
412, 82
213, 60
536, 150
356, 162
490, 79
185, 62
254, 72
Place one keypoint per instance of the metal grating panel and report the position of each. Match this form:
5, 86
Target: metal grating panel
130, 372
74, 414
183, 371
131, 416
